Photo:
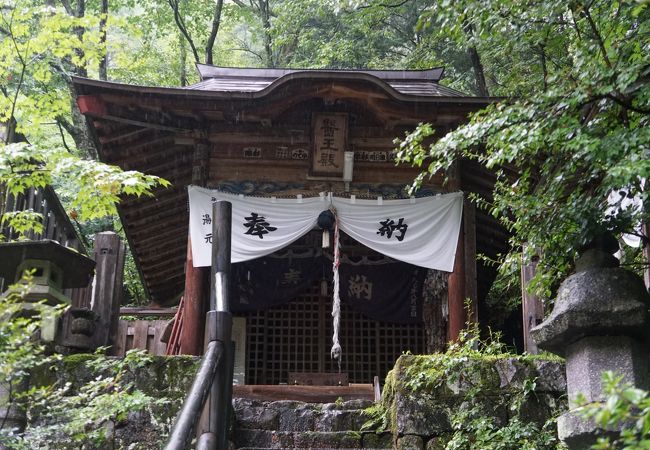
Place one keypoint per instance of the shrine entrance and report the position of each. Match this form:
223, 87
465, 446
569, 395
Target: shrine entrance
296, 334
262, 135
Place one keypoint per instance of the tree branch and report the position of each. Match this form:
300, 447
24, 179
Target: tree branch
67, 7
386, 5
597, 36
182, 28
627, 104
103, 62
65, 144
216, 21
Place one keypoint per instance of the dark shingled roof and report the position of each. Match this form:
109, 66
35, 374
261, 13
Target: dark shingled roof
407, 82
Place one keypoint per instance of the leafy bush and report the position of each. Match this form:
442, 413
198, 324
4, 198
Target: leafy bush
60, 415
626, 408
481, 419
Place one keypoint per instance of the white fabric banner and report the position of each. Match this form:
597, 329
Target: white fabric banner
260, 226
422, 231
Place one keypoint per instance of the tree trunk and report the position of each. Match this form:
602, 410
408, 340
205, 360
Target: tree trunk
78, 128
479, 73
103, 63
216, 22
183, 60
265, 15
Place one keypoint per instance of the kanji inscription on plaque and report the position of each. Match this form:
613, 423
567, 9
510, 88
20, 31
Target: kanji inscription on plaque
330, 135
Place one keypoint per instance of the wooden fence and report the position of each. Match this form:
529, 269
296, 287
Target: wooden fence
142, 328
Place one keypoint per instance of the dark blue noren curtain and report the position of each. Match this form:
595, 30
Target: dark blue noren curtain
385, 290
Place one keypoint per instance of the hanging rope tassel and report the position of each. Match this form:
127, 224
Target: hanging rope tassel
336, 351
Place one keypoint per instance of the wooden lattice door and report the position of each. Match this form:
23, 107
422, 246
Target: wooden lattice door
296, 337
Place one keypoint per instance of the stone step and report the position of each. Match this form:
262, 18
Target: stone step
265, 439
292, 416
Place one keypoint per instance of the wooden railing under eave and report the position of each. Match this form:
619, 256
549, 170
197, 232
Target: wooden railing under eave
56, 223
56, 226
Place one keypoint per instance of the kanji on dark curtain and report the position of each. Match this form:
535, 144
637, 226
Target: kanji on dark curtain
385, 290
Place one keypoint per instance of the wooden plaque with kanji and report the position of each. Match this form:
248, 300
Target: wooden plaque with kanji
330, 132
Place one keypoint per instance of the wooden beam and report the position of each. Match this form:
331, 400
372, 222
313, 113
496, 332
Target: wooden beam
177, 221
109, 256
312, 394
139, 311
136, 217
91, 105
129, 132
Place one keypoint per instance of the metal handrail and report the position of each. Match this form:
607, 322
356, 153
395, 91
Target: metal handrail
195, 400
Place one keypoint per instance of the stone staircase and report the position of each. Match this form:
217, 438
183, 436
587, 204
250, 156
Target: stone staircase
290, 424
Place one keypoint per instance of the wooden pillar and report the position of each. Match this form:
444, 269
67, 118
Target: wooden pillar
194, 307
462, 283
196, 278
456, 292
109, 252
531, 305
471, 288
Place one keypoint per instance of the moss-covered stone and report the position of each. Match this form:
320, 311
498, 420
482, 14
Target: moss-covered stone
160, 377
423, 393
410, 442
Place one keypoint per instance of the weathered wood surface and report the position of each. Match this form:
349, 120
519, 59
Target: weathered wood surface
140, 334
56, 223
318, 379
532, 305
158, 130
469, 236
311, 394
456, 293
194, 307
139, 311
109, 254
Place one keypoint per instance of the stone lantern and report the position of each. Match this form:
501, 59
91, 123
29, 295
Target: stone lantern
600, 322
54, 268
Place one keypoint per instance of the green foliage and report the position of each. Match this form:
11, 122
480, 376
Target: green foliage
61, 415
97, 186
573, 129
23, 222
73, 416
20, 352
626, 409
313, 33
37, 42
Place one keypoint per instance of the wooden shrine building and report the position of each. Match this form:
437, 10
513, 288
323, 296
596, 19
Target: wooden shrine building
253, 132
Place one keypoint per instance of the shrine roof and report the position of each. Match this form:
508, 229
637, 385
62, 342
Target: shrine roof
406, 82
199, 135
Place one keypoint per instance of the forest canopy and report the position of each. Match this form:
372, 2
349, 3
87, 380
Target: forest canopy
569, 132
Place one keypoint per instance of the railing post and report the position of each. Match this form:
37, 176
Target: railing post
219, 327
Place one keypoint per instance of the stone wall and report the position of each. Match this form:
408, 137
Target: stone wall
160, 377
416, 413
419, 412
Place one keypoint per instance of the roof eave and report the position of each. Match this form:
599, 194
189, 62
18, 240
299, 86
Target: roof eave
80, 83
